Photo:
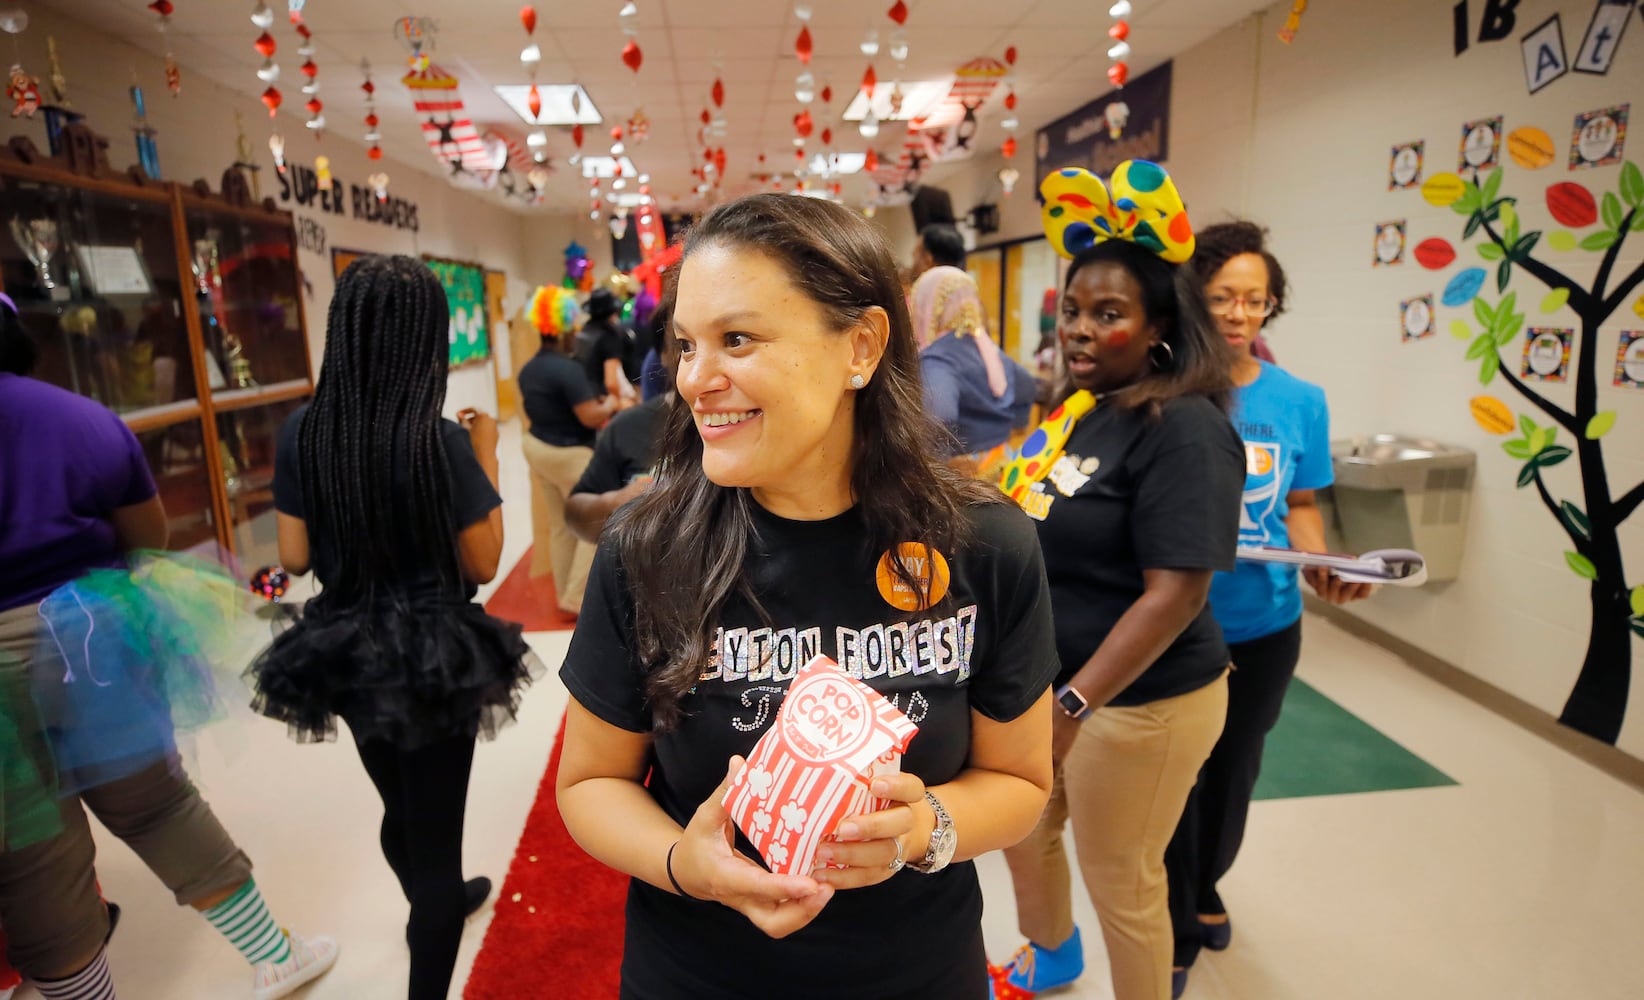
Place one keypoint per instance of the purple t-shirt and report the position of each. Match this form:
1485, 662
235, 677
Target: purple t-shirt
66, 464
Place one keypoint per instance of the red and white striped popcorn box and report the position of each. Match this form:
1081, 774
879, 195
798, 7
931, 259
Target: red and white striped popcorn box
815, 765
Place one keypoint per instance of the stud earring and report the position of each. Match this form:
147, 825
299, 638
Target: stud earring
858, 381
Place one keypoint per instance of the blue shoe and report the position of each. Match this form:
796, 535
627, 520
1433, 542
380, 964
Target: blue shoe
1034, 969
1178, 983
1216, 937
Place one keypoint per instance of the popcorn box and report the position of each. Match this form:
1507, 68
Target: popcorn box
815, 765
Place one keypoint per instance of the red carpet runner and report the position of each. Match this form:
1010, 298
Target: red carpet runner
563, 935
531, 602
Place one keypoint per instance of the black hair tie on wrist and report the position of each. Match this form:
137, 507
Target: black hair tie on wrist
677, 887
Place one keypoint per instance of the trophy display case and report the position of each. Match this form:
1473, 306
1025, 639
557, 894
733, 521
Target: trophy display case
179, 308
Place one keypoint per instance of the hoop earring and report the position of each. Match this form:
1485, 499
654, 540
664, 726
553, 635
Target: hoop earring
858, 382
1169, 361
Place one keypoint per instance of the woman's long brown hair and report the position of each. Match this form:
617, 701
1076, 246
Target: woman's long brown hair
684, 545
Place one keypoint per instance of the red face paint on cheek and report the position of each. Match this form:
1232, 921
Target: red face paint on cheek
1118, 339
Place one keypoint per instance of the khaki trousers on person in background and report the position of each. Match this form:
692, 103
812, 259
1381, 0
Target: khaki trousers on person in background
1124, 784
554, 471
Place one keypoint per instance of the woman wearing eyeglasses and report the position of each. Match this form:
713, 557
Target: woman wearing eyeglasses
1286, 432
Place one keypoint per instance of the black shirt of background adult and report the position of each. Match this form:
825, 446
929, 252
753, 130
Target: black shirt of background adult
551, 386
626, 449
1160, 494
472, 499
600, 341
816, 579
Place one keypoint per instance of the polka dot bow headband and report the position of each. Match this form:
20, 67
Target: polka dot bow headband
1143, 209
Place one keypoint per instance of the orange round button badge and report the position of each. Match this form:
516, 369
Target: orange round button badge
929, 570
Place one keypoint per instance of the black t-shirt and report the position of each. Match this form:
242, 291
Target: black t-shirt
1130, 493
626, 448
551, 386
472, 497
988, 647
599, 342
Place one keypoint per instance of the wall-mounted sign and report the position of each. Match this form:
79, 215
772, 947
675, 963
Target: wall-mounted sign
1389, 247
1544, 59
1416, 317
301, 185
1629, 360
1481, 145
1603, 36
1599, 137
1405, 169
1547, 354
1081, 139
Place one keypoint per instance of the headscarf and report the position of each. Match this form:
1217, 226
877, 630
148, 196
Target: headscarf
945, 300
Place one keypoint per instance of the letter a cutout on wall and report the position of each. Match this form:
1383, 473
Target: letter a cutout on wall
1544, 59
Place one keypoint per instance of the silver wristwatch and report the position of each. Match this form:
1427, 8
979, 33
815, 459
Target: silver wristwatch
944, 840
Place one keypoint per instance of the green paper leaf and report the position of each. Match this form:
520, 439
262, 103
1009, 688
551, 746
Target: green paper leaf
1632, 187
1555, 300
1460, 330
1526, 425
1507, 330
1469, 201
1504, 274
1527, 475
1560, 239
1600, 425
1487, 369
1509, 217
1484, 312
1637, 599
1524, 247
1492, 186
1483, 345
1542, 437
1517, 449
1581, 565
1600, 240
1504, 308
1552, 455
1610, 210
1473, 223
1638, 626
1490, 251
1576, 520
1638, 222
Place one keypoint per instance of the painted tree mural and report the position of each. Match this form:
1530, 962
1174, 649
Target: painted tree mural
1598, 702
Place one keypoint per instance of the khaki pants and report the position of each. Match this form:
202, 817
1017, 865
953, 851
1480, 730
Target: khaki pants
1123, 784
554, 471
49, 903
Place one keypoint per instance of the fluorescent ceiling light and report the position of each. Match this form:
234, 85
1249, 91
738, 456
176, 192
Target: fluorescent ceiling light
604, 167
917, 99
843, 163
556, 104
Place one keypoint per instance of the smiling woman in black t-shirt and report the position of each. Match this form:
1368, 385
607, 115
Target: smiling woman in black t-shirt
794, 472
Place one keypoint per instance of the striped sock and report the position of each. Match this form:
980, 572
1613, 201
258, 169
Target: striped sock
244, 919
90, 983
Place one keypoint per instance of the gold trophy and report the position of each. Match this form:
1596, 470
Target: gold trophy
38, 239
208, 281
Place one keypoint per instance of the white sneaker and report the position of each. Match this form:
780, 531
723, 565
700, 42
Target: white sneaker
310, 959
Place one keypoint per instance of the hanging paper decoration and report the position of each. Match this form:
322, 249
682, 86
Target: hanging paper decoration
533, 101
271, 98
1118, 113
639, 126
1008, 147
869, 81
294, 9
898, 12
802, 46
1008, 176
1287, 34
632, 57
718, 92
576, 135
276, 146
528, 18
24, 91
379, 185
453, 138
417, 35
322, 170
174, 74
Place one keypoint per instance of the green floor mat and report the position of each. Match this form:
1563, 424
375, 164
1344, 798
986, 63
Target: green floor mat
1320, 748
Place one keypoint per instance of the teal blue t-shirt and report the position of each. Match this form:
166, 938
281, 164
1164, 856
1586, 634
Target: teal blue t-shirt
1286, 432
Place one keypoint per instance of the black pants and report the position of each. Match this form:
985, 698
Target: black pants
1212, 826
424, 794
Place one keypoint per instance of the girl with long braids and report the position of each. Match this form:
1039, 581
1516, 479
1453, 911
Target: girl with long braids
397, 512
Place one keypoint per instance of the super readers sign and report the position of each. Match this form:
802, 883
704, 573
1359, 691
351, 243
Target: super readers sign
1081, 139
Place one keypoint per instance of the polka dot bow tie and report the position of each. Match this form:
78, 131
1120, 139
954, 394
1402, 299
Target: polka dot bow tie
1143, 209
1044, 446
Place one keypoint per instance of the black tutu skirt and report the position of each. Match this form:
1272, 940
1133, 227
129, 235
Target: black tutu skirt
411, 672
